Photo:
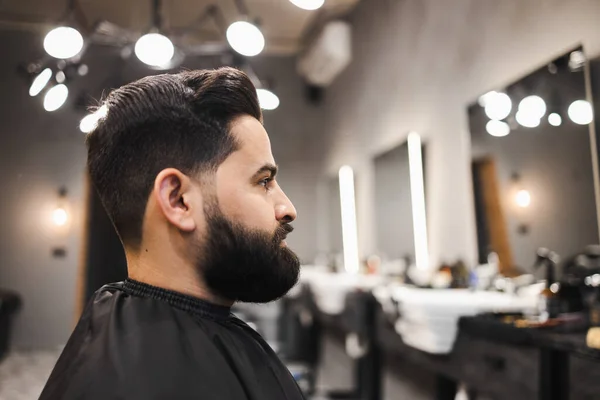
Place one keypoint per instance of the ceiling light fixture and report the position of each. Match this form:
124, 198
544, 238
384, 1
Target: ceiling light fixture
554, 119
527, 120
308, 5
40, 82
63, 42
581, 112
153, 48
497, 128
533, 106
90, 122
55, 97
267, 99
243, 36
497, 105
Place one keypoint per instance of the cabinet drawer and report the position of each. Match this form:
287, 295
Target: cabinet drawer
500, 371
584, 378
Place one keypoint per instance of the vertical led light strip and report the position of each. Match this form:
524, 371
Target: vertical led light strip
417, 194
349, 231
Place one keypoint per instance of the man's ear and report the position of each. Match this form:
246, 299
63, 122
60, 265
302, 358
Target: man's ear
173, 192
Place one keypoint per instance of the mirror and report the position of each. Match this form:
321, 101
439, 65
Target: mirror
401, 226
532, 165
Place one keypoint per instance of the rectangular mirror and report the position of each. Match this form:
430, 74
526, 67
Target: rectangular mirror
532, 165
401, 224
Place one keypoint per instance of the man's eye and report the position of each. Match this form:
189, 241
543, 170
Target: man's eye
265, 182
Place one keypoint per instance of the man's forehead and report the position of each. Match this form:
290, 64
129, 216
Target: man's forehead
254, 146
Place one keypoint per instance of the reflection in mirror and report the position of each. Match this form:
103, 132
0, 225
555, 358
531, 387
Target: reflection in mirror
334, 222
401, 226
532, 166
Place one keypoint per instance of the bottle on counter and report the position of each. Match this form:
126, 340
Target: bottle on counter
549, 304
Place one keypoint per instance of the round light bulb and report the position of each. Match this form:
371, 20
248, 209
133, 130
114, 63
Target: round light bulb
267, 99
63, 42
497, 128
523, 198
483, 99
245, 38
554, 119
527, 120
60, 77
581, 112
308, 4
90, 122
497, 105
154, 49
55, 97
59, 217
40, 82
534, 106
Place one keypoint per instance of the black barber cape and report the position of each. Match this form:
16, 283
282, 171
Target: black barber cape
136, 341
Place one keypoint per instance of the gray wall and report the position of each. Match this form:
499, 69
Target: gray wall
40, 151
417, 64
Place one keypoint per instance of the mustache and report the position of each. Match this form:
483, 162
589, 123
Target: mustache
282, 232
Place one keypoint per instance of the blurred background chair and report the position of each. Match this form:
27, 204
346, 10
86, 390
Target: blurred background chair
10, 302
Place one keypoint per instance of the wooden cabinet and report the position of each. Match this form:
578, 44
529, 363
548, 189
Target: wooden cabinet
496, 370
584, 378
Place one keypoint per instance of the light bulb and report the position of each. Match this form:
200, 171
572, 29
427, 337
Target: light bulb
59, 217
40, 82
523, 198
55, 97
308, 4
90, 122
267, 99
527, 120
534, 106
497, 128
581, 112
497, 105
483, 99
554, 119
63, 42
245, 38
60, 77
154, 49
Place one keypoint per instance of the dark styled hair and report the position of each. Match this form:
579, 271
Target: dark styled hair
172, 120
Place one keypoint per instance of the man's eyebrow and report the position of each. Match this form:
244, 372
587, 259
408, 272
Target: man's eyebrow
267, 168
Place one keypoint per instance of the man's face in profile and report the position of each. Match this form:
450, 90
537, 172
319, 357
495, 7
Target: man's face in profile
244, 253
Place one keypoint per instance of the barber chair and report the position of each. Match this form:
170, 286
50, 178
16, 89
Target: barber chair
302, 333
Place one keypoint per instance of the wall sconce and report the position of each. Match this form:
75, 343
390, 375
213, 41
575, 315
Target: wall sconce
523, 198
60, 216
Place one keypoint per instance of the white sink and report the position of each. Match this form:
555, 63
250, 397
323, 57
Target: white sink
429, 317
330, 289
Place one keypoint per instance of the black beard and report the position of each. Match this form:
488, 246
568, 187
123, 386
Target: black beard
246, 265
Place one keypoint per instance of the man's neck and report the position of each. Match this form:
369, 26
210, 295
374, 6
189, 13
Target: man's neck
175, 276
